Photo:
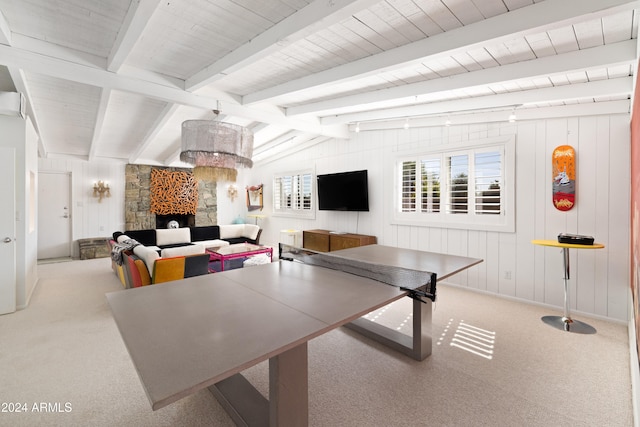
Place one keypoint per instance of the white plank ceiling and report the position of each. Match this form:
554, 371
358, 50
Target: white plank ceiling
114, 79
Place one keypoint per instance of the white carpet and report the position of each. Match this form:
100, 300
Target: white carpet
505, 367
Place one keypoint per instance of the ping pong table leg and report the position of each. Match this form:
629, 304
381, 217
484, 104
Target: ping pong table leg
288, 403
421, 329
244, 404
417, 345
289, 388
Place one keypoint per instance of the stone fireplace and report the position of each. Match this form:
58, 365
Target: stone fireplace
138, 215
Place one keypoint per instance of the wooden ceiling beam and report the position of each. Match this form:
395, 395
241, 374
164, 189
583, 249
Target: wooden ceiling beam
289, 147
173, 157
42, 64
135, 22
585, 59
541, 113
315, 16
620, 86
517, 23
277, 141
162, 119
20, 83
105, 95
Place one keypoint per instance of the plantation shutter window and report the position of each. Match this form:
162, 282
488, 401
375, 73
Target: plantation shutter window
466, 185
293, 194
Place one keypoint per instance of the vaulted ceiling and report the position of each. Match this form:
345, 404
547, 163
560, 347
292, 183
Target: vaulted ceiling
114, 79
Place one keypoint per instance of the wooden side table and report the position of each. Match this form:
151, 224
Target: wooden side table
328, 241
565, 322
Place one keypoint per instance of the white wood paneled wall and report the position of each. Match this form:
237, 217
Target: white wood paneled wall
600, 278
89, 217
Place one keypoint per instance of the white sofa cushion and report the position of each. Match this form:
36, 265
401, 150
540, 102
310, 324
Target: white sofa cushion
148, 254
231, 231
251, 231
182, 251
216, 243
171, 236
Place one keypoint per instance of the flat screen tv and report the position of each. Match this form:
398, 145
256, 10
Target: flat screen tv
344, 191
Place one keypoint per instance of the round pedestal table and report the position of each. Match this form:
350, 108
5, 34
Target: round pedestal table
565, 322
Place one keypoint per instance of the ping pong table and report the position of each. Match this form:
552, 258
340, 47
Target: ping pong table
202, 332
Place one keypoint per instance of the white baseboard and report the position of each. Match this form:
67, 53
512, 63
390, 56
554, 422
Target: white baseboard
536, 303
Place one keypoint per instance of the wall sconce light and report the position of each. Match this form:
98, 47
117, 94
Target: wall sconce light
232, 192
101, 189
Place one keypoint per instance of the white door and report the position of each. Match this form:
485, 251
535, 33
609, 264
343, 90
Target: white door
54, 215
7, 231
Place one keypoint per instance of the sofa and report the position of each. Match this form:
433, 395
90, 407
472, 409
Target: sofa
136, 274
173, 252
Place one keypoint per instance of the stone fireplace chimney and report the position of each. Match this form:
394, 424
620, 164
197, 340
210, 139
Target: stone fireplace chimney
138, 212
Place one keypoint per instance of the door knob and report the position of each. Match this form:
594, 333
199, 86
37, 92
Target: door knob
8, 240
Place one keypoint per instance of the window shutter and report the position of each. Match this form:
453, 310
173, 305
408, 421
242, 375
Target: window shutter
306, 191
409, 186
488, 183
295, 193
286, 192
277, 193
458, 181
430, 173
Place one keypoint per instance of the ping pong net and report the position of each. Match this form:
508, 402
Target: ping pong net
417, 283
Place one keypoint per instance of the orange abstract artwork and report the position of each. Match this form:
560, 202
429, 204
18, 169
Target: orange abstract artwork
173, 192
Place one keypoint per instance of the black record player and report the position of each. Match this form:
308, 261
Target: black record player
575, 239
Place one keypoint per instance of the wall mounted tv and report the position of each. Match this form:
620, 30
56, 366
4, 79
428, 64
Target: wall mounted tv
344, 191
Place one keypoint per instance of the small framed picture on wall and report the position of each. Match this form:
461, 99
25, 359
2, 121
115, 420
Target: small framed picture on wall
254, 197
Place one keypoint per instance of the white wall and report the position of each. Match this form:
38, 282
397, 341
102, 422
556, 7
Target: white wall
229, 210
600, 278
91, 218
18, 133
29, 205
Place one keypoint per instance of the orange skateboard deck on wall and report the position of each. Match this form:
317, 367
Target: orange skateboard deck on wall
563, 162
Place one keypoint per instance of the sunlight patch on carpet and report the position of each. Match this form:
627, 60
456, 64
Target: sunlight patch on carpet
470, 338
394, 316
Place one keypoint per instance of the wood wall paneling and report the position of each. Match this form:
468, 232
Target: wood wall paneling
619, 208
599, 280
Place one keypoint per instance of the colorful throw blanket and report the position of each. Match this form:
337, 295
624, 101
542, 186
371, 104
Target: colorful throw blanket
118, 248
